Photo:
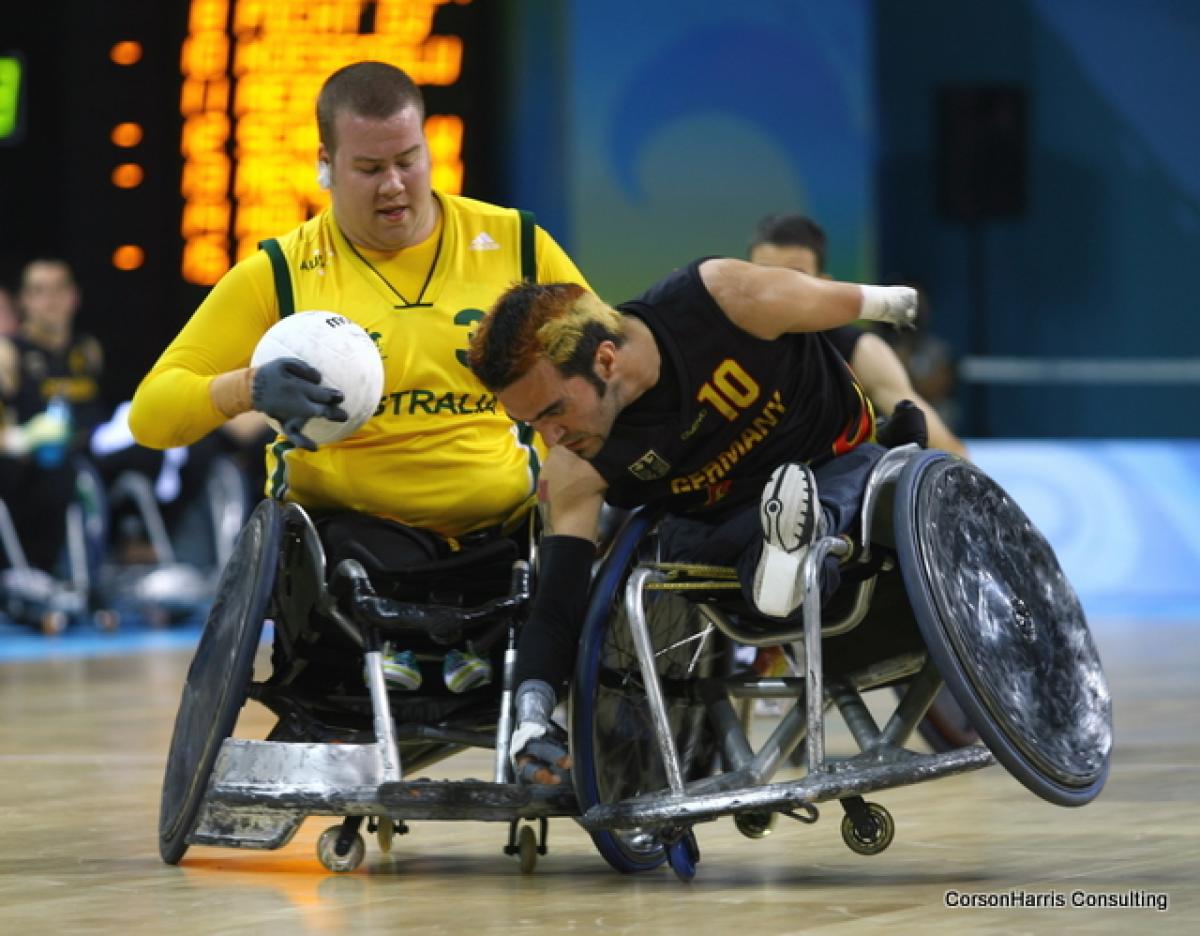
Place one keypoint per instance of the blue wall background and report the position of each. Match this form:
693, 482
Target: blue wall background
1121, 516
684, 122
1102, 263
648, 134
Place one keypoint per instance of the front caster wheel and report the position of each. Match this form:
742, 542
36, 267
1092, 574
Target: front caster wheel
527, 849
755, 825
871, 833
53, 623
683, 855
327, 850
107, 620
385, 834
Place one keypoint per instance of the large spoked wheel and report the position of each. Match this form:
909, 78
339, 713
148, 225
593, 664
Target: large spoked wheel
219, 678
1005, 628
613, 744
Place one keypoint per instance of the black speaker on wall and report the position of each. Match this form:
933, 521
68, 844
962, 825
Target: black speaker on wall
982, 152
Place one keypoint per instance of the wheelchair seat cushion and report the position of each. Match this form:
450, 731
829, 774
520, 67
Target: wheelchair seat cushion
415, 564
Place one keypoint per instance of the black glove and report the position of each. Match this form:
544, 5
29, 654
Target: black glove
906, 424
290, 392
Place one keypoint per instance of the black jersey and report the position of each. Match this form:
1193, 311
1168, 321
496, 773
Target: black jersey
728, 407
72, 373
845, 339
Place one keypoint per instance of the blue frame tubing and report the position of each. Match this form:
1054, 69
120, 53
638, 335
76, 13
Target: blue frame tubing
606, 588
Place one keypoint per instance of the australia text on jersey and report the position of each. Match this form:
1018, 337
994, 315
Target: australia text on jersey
433, 402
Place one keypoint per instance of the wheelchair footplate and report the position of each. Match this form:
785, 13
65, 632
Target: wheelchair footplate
261, 791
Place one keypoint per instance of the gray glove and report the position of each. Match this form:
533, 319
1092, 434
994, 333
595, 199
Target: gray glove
539, 746
290, 392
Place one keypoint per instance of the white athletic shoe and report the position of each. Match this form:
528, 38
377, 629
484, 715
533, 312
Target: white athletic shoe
792, 521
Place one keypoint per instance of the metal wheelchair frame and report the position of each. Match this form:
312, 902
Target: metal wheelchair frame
883, 763
260, 791
744, 789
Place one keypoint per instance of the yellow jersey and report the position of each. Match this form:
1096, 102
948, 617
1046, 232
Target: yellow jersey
439, 453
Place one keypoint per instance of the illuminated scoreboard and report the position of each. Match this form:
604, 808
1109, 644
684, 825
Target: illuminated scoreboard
251, 73
11, 76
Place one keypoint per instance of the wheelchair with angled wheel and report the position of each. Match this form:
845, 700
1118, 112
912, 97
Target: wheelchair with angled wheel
947, 583
163, 572
67, 595
344, 744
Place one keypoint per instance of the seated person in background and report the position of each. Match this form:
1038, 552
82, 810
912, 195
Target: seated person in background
799, 243
928, 360
49, 383
712, 396
439, 465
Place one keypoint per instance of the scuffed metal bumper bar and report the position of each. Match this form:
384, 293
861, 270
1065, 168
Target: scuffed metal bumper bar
261, 791
853, 778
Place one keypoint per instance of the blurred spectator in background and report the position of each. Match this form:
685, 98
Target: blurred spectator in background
49, 385
799, 243
52, 410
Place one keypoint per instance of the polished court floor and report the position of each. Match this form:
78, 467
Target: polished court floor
82, 746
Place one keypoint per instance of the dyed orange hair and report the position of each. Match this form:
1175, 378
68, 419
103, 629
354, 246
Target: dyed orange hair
562, 322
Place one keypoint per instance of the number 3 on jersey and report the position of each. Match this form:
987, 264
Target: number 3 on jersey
467, 318
730, 390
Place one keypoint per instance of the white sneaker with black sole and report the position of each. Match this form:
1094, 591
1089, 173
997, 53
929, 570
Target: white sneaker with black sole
791, 522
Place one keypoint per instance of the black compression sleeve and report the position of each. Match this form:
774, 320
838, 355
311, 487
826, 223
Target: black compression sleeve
547, 644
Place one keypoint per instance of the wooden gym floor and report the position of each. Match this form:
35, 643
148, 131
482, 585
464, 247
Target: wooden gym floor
82, 745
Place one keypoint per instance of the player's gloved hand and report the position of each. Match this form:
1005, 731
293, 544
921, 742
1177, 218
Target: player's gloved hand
896, 305
539, 747
906, 424
44, 429
290, 392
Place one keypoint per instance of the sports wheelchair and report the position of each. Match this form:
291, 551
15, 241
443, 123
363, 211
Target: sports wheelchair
175, 583
344, 744
175, 578
948, 582
52, 602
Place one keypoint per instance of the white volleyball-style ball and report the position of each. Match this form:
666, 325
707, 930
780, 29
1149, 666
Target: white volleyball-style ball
344, 354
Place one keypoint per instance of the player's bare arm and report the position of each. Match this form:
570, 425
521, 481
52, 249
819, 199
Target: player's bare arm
771, 301
886, 382
570, 495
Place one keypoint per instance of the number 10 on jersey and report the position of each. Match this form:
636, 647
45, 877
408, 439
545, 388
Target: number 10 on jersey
730, 390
